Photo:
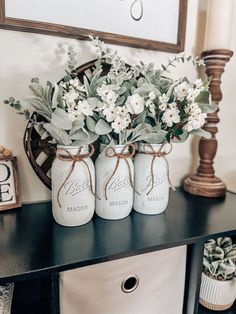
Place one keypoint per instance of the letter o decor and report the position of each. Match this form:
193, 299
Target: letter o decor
10, 196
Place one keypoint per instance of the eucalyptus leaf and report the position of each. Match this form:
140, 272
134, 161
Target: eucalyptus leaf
102, 127
54, 98
76, 125
90, 122
139, 119
205, 108
201, 132
204, 97
60, 136
61, 119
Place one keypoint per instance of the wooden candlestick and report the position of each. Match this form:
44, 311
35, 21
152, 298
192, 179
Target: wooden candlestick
204, 182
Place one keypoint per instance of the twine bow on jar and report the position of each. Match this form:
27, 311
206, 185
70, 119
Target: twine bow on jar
119, 156
75, 159
159, 153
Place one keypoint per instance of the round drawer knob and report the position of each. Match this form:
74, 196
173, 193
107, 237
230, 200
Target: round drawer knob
130, 283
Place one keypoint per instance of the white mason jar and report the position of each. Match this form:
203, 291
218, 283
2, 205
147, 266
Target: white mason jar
151, 180
73, 180
114, 180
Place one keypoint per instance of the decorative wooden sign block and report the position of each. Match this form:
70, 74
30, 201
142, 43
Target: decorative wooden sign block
9, 184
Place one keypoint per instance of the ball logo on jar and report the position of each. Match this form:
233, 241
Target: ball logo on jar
75, 187
158, 180
118, 183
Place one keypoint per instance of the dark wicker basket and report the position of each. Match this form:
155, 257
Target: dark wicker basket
41, 153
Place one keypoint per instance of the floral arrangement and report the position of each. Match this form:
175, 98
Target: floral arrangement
121, 105
219, 259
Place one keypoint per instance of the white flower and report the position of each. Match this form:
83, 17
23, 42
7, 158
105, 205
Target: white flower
110, 113
84, 107
135, 104
149, 103
76, 84
196, 118
163, 106
122, 111
198, 83
152, 108
103, 91
181, 90
171, 116
73, 114
192, 107
119, 124
193, 93
70, 97
164, 99
152, 95
111, 97
173, 105
195, 122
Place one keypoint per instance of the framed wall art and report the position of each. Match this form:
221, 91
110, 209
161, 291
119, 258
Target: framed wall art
150, 24
9, 184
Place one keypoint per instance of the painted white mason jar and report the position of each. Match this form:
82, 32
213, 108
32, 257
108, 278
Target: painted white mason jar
73, 180
114, 182
151, 180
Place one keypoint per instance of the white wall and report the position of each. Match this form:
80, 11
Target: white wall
25, 55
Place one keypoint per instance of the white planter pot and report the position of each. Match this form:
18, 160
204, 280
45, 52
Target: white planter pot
153, 189
217, 295
6, 293
73, 202
113, 186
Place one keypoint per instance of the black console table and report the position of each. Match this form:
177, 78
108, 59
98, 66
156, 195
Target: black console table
33, 246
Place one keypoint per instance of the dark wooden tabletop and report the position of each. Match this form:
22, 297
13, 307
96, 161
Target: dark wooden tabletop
32, 244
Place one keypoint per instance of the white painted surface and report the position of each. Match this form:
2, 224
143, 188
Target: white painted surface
24, 55
104, 15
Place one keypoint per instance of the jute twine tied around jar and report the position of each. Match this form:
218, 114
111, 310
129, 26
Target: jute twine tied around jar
159, 153
119, 156
75, 159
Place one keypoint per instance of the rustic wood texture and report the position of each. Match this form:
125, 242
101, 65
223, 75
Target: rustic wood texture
34, 146
16, 183
82, 34
204, 182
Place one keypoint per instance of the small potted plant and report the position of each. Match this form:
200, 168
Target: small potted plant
218, 286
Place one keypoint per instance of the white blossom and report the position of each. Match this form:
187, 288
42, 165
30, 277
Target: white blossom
198, 83
192, 107
111, 97
193, 93
164, 98
135, 104
173, 105
163, 106
77, 84
152, 95
110, 113
103, 91
181, 90
84, 107
196, 119
70, 97
170, 116
119, 124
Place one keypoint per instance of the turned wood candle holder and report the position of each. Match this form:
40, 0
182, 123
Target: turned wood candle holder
204, 182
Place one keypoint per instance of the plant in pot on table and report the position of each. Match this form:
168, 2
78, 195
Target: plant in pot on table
218, 286
121, 106
142, 105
